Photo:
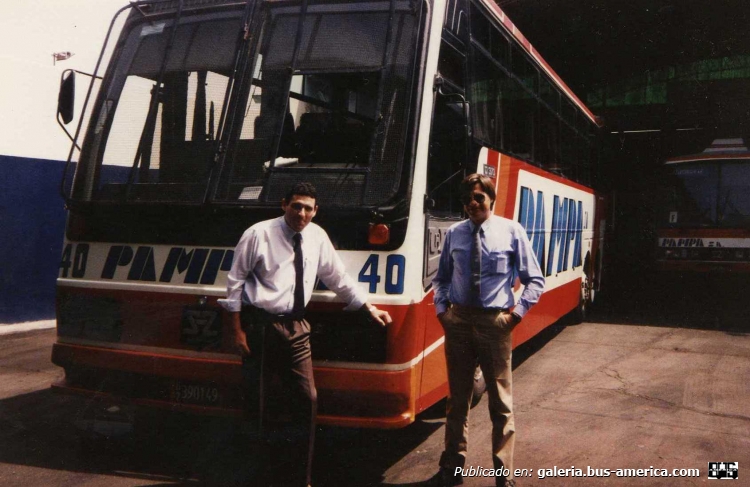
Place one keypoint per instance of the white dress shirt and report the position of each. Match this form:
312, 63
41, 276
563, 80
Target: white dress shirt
263, 276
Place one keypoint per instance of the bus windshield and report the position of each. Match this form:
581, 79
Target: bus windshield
708, 194
328, 103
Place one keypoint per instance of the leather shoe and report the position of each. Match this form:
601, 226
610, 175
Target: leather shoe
445, 478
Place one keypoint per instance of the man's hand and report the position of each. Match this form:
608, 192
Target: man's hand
511, 319
240, 343
239, 338
440, 316
379, 316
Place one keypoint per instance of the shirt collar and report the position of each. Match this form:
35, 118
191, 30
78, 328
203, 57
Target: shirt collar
289, 231
484, 226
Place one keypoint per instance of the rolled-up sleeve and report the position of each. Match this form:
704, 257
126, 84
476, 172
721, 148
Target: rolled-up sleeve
332, 271
244, 256
529, 272
442, 280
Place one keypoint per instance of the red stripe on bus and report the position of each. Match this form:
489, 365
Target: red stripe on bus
704, 233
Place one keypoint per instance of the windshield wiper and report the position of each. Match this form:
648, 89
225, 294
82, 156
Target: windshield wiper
143, 152
237, 78
292, 68
431, 193
385, 64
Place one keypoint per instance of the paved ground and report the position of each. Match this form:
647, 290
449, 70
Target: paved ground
617, 396
604, 396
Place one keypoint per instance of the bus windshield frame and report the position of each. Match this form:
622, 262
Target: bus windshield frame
231, 111
707, 194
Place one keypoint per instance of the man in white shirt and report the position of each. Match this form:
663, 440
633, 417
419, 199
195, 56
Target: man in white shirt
271, 281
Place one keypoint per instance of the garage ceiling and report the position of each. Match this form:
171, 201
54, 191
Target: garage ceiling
646, 64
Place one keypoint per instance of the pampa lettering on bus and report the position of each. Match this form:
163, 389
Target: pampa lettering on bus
565, 230
685, 242
196, 265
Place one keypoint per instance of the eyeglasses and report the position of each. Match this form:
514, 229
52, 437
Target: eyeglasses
468, 198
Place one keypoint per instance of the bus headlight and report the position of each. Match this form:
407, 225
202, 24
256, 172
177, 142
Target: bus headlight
674, 254
379, 234
89, 317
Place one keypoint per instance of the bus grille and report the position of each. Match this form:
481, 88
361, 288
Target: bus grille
90, 317
346, 337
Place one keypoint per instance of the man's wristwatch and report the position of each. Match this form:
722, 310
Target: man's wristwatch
516, 318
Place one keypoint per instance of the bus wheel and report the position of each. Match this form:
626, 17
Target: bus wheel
586, 296
581, 312
479, 386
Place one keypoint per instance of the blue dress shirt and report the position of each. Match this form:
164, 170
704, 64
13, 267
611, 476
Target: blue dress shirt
506, 253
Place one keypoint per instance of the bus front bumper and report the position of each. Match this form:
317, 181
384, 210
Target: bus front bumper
214, 386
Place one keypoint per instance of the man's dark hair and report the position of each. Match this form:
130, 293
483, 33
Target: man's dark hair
301, 189
467, 185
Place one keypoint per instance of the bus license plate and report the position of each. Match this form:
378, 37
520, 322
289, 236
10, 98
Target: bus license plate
201, 394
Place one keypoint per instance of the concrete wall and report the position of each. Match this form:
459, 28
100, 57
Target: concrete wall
32, 222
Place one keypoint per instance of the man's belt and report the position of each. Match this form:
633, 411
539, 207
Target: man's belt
263, 315
478, 309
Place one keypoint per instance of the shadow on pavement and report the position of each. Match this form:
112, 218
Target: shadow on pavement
69, 433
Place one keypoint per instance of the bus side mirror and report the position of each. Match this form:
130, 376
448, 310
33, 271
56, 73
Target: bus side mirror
429, 203
67, 96
439, 84
467, 119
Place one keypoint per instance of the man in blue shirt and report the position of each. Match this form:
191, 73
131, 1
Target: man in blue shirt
480, 260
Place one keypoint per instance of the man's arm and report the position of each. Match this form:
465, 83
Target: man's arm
332, 272
529, 273
241, 266
442, 280
244, 257
379, 316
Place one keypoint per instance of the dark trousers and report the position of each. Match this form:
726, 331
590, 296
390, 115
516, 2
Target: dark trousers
280, 350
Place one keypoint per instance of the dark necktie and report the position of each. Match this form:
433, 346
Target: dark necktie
476, 266
299, 289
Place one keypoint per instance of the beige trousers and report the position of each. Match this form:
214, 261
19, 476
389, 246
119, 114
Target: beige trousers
475, 335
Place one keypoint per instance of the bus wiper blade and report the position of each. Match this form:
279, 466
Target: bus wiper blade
292, 68
460, 171
150, 125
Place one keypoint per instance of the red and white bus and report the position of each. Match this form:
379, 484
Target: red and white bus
704, 219
209, 111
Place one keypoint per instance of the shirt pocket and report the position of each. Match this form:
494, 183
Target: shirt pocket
498, 262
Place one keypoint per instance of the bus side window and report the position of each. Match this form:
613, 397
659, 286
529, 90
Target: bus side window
448, 142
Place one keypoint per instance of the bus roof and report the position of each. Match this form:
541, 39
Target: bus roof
732, 148
526, 45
